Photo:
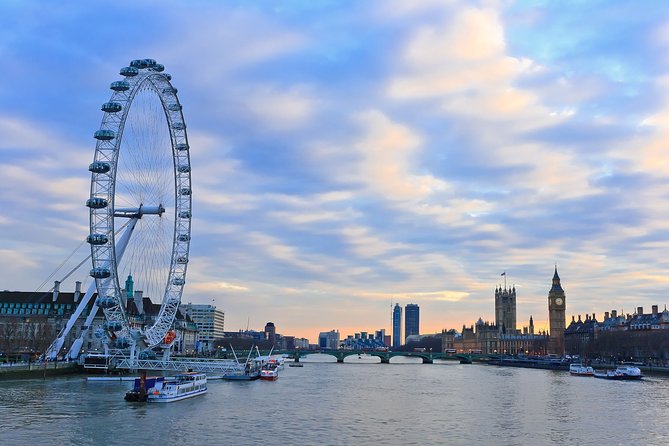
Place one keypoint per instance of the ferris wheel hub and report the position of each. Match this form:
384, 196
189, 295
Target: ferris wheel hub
139, 212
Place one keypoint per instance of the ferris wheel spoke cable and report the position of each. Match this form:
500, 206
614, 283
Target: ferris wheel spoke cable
73, 270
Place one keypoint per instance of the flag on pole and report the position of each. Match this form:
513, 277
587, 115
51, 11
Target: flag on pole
503, 274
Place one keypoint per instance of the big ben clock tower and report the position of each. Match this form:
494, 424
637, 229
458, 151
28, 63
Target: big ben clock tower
556, 316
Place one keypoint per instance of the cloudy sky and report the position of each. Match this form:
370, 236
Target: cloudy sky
350, 154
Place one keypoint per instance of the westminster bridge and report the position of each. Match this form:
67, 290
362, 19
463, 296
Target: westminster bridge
427, 356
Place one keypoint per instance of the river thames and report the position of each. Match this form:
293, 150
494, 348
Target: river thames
349, 404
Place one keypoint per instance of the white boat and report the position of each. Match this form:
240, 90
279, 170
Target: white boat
625, 372
269, 374
581, 370
182, 386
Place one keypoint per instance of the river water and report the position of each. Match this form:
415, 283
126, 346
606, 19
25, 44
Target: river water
356, 403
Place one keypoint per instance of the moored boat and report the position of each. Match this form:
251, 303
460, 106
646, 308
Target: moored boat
183, 385
277, 363
269, 374
248, 372
140, 391
581, 370
626, 372
295, 364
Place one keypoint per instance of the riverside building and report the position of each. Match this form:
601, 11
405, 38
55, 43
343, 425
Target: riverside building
210, 323
31, 321
502, 337
328, 340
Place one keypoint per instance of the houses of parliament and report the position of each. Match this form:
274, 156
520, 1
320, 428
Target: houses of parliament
503, 336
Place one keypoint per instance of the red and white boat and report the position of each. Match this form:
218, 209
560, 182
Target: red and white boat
269, 374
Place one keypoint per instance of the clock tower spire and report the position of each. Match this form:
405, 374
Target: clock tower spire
556, 316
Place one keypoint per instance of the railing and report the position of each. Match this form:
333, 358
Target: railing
194, 364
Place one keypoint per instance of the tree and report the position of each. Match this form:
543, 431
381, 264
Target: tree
9, 334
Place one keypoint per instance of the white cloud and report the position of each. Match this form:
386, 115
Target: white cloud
281, 109
387, 150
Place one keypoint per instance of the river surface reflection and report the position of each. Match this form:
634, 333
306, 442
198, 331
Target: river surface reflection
354, 403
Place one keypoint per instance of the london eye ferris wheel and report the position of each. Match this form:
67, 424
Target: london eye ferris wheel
140, 204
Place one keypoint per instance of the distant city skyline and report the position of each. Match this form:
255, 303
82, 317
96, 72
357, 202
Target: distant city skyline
348, 154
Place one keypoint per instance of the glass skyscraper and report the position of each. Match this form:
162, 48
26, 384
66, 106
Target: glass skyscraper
411, 320
397, 326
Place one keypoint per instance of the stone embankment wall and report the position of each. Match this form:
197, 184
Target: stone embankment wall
36, 369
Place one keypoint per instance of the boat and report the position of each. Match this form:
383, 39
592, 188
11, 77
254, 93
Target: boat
532, 362
277, 363
269, 374
626, 372
249, 372
295, 364
243, 371
238, 375
581, 370
140, 391
182, 386
465, 361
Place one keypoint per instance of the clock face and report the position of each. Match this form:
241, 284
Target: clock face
558, 301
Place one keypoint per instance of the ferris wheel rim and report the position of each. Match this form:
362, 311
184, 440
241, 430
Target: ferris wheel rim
140, 75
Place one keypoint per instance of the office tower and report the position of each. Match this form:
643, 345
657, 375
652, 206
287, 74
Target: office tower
411, 320
397, 326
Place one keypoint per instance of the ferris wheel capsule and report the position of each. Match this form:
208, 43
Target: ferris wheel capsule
99, 167
181, 147
97, 239
111, 107
120, 86
100, 273
96, 203
112, 325
105, 302
104, 135
139, 63
129, 71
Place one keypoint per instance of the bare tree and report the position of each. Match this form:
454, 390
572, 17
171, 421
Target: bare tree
9, 334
